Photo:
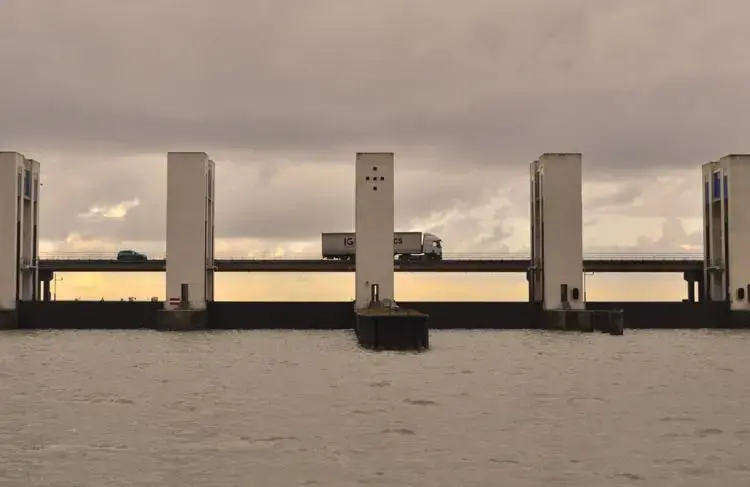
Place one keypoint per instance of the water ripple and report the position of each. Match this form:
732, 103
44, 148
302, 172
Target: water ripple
294, 408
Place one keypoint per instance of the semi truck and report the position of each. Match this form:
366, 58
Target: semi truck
407, 246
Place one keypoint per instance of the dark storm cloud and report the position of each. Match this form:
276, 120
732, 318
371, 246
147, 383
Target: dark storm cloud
489, 82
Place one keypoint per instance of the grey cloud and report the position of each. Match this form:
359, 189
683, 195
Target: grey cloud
72, 186
673, 194
299, 201
624, 196
295, 202
465, 94
468, 237
673, 239
491, 82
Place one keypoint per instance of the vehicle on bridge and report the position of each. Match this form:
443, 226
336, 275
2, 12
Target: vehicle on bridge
131, 256
407, 246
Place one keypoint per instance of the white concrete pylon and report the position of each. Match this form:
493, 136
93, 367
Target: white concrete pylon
374, 226
726, 223
19, 229
190, 228
556, 276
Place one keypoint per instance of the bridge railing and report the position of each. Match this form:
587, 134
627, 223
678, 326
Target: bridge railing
677, 257
103, 256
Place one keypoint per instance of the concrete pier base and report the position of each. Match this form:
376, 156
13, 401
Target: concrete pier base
380, 328
587, 321
609, 321
8, 319
739, 319
568, 320
181, 320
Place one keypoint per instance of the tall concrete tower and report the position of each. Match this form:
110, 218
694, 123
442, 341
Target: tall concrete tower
556, 276
374, 226
19, 233
190, 228
726, 222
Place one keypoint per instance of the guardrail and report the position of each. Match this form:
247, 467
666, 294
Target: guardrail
97, 256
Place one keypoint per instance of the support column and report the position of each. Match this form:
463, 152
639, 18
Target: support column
45, 282
30, 232
557, 232
691, 277
726, 194
374, 227
19, 240
380, 324
556, 274
190, 240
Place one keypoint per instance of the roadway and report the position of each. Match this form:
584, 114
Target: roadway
602, 263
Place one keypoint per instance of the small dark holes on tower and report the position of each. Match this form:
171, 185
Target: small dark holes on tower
374, 188
367, 178
382, 178
374, 168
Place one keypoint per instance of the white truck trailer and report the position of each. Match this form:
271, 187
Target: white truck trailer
407, 246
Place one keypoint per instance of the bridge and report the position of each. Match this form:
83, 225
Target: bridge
459, 263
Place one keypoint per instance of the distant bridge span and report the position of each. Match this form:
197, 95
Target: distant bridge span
459, 263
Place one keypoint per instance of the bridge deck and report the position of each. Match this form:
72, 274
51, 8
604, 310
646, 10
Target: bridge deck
503, 265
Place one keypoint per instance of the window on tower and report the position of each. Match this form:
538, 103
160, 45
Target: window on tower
716, 186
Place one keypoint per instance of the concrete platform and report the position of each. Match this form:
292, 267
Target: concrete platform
340, 315
739, 319
8, 319
380, 328
586, 321
609, 321
181, 320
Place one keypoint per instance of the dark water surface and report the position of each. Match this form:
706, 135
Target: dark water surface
292, 408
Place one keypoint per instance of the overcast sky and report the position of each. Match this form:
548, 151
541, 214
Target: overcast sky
282, 93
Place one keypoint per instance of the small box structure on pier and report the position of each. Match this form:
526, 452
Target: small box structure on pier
726, 222
380, 324
556, 273
190, 240
19, 234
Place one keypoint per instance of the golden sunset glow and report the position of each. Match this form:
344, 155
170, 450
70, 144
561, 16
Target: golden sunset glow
340, 287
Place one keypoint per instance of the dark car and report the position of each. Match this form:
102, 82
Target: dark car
131, 256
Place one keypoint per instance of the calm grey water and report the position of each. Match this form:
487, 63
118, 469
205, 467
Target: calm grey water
293, 408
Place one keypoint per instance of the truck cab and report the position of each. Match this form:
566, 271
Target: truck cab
432, 247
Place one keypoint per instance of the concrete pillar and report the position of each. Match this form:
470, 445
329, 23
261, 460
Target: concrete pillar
384, 327
190, 228
557, 232
530, 276
691, 278
45, 282
19, 235
726, 222
374, 226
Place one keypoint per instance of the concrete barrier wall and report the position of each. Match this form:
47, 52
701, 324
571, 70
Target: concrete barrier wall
667, 315
257, 315
87, 315
340, 315
476, 315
